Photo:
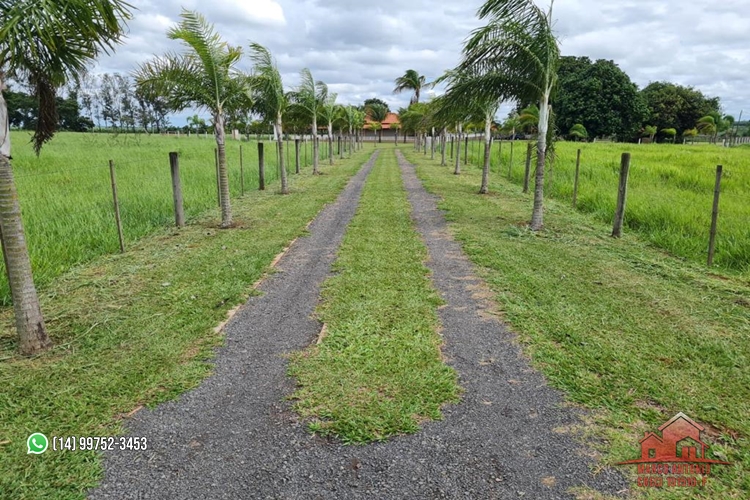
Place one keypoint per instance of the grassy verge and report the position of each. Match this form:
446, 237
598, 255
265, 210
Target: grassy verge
621, 327
137, 329
378, 371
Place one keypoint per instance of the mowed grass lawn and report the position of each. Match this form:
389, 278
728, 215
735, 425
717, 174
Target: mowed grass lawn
137, 329
624, 329
66, 195
670, 193
378, 370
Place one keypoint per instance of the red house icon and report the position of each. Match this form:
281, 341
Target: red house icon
680, 441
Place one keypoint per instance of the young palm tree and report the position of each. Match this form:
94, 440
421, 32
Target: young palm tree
45, 44
327, 112
412, 81
377, 113
578, 131
204, 77
650, 131
308, 98
519, 54
463, 102
529, 119
266, 91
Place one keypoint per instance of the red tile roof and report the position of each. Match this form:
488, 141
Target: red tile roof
389, 119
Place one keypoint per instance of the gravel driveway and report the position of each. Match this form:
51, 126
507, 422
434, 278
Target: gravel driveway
235, 436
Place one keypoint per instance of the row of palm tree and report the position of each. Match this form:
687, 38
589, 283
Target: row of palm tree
67, 36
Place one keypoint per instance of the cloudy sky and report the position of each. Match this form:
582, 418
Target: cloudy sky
360, 47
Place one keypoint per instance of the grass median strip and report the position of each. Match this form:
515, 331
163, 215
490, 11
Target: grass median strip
137, 329
378, 371
623, 328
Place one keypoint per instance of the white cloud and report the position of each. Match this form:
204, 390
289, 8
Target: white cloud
359, 48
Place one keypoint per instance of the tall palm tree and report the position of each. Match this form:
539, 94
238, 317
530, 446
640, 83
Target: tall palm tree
266, 92
204, 76
413, 81
308, 97
519, 54
529, 119
327, 112
377, 113
45, 44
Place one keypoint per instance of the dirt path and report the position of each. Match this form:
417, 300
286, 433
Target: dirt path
235, 436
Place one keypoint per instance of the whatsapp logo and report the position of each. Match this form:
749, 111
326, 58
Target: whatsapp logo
37, 443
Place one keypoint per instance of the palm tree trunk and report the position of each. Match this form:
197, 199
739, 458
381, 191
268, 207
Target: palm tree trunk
330, 144
457, 171
442, 147
315, 144
32, 333
487, 149
537, 216
226, 208
282, 164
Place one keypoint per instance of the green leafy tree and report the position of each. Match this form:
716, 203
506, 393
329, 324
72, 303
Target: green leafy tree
599, 96
374, 100
675, 106
578, 132
269, 100
204, 77
411, 81
308, 98
45, 44
519, 55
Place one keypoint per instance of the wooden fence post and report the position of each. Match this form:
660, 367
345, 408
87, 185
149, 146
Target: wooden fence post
466, 150
242, 174
261, 168
714, 217
527, 172
117, 206
179, 212
296, 156
451, 146
510, 162
218, 186
575, 183
622, 195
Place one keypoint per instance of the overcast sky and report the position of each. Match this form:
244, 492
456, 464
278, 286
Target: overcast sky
359, 47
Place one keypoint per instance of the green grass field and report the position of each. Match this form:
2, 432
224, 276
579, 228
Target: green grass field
670, 193
66, 196
627, 331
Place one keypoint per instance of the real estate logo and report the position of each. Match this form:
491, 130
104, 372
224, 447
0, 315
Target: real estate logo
676, 458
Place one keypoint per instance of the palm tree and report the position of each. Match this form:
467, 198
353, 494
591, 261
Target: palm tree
377, 113
396, 127
529, 119
203, 77
266, 91
578, 131
519, 56
511, 124
411, 81
45, 44
650, 131
670, 133
327, 112
463, 102
348, 117
308, 97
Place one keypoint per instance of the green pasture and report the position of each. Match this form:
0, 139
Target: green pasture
66, 194
670, 192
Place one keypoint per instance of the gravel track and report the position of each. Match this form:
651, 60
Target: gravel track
236, 437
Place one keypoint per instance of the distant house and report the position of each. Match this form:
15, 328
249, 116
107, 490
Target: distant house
390, 119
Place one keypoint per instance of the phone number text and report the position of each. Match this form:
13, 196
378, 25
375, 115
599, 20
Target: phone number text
96, 443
